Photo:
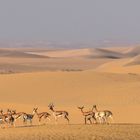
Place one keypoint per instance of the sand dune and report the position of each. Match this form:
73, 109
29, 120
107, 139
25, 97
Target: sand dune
104, 53
71, 78
64, 53
134, 61
133, 51
120, 66
17, 54
21, 60
116, 92
19, 65
88, 52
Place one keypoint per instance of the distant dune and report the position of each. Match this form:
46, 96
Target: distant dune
64, 53
119, 59
88, 52
134, 61
104, 53
119, 66
13, 53
133, 51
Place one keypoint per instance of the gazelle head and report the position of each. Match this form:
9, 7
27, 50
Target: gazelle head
82, 107
1, 111
51, 106
8, 111
94, 107
13, 112
35, 110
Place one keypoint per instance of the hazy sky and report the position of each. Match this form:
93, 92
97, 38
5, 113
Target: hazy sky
70, 20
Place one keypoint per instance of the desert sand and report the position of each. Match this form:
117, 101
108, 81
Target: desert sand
109, 78
73, 132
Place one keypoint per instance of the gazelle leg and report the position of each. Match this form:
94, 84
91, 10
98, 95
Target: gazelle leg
67, 119
48, 118
31, 122
14, 124
85, 120
90, 120
39, 121
56, 119
24, 121
100, 120
94, 120
105, 120
112, 120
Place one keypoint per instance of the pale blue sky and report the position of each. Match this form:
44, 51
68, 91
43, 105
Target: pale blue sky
70, 20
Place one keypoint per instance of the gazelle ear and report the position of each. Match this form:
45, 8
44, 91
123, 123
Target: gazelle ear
52, 104
94, 106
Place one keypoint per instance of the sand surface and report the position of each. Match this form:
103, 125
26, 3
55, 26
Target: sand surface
69, 78
72, 132
106, 77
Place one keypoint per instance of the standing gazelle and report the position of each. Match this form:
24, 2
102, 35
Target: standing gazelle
29, 117
57, 114
102, 115
88, 115
41, 115
17, 115
2, 117
7, 117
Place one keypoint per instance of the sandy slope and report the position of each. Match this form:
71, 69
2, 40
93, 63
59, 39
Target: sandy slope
135, 61
116, 92
127, 65
64, 53
87, 52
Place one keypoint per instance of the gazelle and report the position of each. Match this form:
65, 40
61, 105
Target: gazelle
57, 114
88, 115
29, 117
17, 115
2, 117
102, 115
7, 118
41, 115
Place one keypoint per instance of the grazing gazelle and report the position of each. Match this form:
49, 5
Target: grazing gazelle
57, 114
29, 117
41, 115
102, 115
88, 115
